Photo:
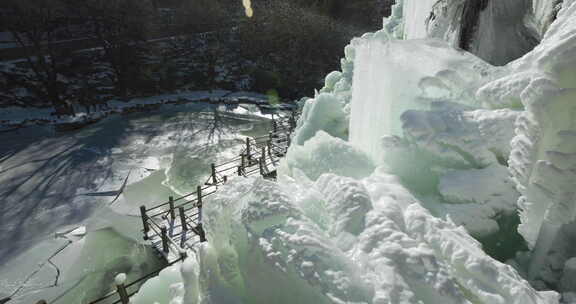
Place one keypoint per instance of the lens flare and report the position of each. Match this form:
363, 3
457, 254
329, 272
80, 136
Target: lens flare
248, 8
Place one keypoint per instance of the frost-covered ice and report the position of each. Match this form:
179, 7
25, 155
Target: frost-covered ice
404, 155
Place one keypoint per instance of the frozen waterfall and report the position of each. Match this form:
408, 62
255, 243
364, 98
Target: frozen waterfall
407, 167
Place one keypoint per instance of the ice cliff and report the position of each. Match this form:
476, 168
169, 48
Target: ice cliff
408, 164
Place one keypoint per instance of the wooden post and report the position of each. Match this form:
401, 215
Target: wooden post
248, 154
171, 203
120, 281
164, 232
201, 233
224, 179
199, 195
214, 179
261, 165
269, 145
183, 219
274, 126
239, 170
263, 152
144, 221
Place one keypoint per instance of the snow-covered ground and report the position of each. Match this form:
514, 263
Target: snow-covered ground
19, 116
96, 179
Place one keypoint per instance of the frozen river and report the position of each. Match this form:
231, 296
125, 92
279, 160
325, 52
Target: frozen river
95, 179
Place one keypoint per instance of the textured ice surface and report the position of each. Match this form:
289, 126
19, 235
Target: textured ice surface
399, 158
342, 240
393, 76
324, 153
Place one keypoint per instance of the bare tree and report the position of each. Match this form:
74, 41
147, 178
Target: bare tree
35, 25
119, 27
285, 39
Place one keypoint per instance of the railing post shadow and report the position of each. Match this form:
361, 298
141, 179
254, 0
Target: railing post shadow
164, 233
214, 179
144, 221
199, 227
199, 195
261, 165
182, 219
171, 204
248, 154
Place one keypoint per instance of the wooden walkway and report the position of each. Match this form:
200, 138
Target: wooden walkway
175, 226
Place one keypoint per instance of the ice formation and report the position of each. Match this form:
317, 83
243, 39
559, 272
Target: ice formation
407, 159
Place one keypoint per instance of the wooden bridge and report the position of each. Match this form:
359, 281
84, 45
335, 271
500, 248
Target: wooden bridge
174, 226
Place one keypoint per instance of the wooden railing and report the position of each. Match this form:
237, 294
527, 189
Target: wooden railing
170, 226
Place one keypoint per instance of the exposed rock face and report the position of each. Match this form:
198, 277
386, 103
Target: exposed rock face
470, 18
496, 31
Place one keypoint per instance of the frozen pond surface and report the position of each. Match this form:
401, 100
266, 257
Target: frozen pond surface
52, 183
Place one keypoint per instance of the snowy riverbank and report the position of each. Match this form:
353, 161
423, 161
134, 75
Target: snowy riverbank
12, 118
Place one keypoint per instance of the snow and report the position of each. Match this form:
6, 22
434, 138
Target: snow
478, 197
342, 240
120, 279
69, 199
10, 116
166, 285
320, 154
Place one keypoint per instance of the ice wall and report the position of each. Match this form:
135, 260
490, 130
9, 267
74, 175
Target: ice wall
416, 13
392, 76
